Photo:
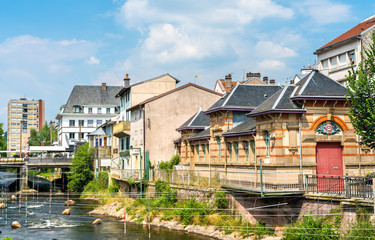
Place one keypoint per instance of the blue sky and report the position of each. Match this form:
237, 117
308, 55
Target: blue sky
47, 47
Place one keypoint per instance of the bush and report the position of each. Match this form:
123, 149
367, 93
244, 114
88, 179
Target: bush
103, 180
311, 228
363, 228
221, 201
114, 187
81, 169
175, 160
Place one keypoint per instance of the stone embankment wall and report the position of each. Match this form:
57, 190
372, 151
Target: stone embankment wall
272, 210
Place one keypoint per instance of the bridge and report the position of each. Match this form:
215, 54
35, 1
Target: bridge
24, 164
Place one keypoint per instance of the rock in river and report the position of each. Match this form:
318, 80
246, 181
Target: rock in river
2, 205
66, 212
13, 197
16, 224
70, 203
97, 221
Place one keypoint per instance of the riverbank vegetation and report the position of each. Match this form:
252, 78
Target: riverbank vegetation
330, 227
82, 170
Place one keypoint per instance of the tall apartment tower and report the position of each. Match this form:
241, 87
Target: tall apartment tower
23, 115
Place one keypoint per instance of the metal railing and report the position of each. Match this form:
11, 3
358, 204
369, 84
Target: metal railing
343, 186
268, 180
125, 173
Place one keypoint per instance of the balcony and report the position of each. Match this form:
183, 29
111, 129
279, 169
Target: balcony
104, 152
122, 129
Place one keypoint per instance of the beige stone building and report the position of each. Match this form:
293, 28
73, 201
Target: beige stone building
292, 128
154, 121
225, 85
23, 115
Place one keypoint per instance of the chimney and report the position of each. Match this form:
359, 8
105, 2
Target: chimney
228, 81
265, 80
250, 75
104, 87
272, 82
291, 82
127, 81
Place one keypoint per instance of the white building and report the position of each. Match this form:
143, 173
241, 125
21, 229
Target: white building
336, 57
87, 108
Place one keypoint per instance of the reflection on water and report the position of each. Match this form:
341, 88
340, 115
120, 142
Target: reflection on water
38, 223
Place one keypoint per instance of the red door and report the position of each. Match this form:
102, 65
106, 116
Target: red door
329, 162
329, 159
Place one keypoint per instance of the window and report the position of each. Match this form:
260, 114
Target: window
236, 150
197, 148
99, 110
71, 135
218, 140
229, 146
352, 57
333, 62
246, 148
82, 135
108, 110
72, 123
99, 122
325, 64
267, 139
342, 59
204, 152
77, 109
90, 109
90, 123
81, 123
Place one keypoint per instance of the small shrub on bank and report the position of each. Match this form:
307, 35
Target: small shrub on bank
311, 228
363, 228
221, 201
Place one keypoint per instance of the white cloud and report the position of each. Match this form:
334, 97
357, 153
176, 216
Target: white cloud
37, 68
93, 60
196, 32
323, 12
271, 65
270, 49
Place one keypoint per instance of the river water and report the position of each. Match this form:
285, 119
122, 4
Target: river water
42, 220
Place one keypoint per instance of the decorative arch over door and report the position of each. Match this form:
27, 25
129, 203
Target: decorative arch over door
332, 118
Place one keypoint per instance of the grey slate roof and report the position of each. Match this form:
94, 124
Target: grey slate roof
244, 98
318, 86
197, 121
243, 128
92, 95
98, 132
279, 102
205, 134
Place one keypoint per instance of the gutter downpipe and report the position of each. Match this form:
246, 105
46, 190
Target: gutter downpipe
144, 138
300, 138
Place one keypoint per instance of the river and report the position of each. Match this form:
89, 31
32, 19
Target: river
42, 220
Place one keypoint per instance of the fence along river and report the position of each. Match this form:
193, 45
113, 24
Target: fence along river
40, 217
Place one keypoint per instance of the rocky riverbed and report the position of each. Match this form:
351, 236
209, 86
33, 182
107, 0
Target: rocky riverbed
116, 209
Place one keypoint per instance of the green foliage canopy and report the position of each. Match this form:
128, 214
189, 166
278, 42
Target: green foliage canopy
3, 144
361, 88
81, 169
44, 135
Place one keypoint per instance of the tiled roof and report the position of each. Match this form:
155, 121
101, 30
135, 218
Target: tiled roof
317, 85
355, 31
244, 98
172, 91
92, 95
197, 121
243, 128
233, 84
279, 102
205, 134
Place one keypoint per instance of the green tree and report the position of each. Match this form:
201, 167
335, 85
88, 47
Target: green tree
361, 88
81, 169
3, 144
43, 136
